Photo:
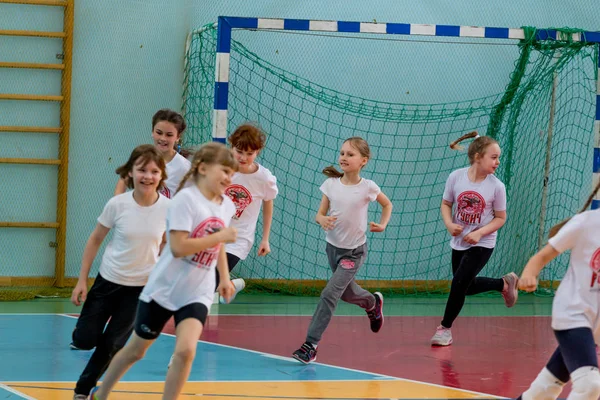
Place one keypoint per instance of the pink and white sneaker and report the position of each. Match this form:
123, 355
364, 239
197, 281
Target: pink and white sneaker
442, 337
511, 294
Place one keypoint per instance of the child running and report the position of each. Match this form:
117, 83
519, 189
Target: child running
343, 215
138, 221
252, 186
575, 309
167, 129
182, 284
480, 200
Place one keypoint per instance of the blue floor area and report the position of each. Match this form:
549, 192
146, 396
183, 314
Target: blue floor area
35, 348
8, 395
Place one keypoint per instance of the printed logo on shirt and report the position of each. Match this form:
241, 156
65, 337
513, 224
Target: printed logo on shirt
165, 191
241, 197
469, 207
205, 258
595, 266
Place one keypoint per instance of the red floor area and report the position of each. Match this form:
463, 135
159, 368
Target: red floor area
495, 355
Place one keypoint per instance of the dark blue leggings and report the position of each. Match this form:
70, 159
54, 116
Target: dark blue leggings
576, 349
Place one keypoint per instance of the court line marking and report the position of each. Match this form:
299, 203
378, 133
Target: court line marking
350, 369
14, 391
263, 354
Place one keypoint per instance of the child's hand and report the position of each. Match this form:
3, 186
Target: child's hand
375, 227
79, 293
473, 237
226, 289
455, 229
264, 248
228, 235
327, 222
528, 282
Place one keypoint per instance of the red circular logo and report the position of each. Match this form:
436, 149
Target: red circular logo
207, 227
240, 196
207, 256
470, 203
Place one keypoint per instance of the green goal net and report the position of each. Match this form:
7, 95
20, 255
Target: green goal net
541, 111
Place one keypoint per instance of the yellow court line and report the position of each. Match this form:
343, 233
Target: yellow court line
272, 390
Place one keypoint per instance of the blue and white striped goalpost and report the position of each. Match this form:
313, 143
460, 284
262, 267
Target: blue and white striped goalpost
596, 201
227, 24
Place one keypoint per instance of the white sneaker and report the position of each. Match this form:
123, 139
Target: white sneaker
239, 285
442, 337
170, 362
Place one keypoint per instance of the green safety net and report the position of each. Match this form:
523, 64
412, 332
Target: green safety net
543, 122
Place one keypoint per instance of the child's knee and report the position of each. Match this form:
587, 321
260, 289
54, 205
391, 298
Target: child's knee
84, 340
330, 294
544, 387
136, 354
586, 384
133, 352
461, 283
185, 354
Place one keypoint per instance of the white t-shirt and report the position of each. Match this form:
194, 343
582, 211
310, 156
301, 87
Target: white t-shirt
137, 235
474, 206
177, 282
176, 169
349, 203
248, 191
577, 300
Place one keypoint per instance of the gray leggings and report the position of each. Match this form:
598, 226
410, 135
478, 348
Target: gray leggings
344, 263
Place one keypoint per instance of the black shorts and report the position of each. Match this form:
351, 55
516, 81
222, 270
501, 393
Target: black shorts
151, 317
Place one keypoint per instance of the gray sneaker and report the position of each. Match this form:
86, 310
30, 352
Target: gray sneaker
80, 397
512, 289
442, 337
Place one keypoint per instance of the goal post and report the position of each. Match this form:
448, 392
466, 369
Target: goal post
227, 82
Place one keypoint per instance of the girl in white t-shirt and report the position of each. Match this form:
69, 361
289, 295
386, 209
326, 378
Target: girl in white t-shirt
575, 310
167, 128
252, 187
138, 221
182, 284
343, 215
480, 211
